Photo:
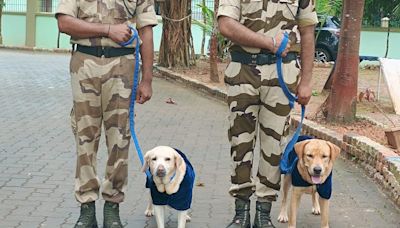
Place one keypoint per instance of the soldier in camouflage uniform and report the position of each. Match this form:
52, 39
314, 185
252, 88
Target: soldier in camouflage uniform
101, 80
258, 106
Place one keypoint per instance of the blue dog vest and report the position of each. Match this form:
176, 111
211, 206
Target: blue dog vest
324, 190
182, 199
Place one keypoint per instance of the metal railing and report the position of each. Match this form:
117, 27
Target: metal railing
48, 6
15, 6
196, 10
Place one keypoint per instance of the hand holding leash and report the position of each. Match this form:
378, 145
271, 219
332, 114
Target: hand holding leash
119, 33
278, 40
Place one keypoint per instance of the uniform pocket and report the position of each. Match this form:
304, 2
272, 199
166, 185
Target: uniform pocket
125, 9
87, 11
249, 1
250, 6
289, 8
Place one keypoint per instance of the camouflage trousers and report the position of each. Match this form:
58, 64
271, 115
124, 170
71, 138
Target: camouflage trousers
101, 89
258, 107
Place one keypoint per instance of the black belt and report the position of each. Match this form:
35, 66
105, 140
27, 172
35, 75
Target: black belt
261, 58
107, 52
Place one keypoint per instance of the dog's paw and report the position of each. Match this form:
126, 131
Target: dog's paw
188, 218
283, 218
316, 211
149, 213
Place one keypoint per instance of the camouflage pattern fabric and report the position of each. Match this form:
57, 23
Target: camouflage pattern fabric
270, 17
258, 106
109, 12
101, 89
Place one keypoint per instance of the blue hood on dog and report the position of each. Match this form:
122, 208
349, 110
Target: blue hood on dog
324, 190
182, 199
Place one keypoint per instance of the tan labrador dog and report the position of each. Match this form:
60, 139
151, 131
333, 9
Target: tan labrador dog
167, 168
314, 166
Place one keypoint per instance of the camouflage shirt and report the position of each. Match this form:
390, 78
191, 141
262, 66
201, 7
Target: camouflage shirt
270, 17
138, 13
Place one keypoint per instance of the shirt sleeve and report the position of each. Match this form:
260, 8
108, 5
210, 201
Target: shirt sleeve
68, 7
229, 8
306, 14
145, 14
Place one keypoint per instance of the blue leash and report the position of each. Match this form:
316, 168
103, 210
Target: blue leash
134, 37
286, 165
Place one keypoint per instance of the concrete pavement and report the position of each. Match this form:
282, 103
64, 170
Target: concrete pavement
37, 157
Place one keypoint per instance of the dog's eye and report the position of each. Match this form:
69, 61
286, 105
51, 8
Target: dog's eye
167, 159
324, 156
154, 159
309, 155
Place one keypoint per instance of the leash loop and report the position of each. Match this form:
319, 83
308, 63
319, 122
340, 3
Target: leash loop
135, 37
286, 165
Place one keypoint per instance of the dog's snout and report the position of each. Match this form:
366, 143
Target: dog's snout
317, 170
161, 172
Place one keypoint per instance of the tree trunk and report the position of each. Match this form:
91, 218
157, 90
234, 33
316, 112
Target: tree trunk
1, 14
342, 100
214, 77
176, 47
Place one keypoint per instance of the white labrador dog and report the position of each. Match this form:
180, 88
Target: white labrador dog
171, 183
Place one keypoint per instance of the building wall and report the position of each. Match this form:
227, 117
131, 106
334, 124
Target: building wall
13, 29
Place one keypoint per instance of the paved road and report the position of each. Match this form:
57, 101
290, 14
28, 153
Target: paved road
37, 155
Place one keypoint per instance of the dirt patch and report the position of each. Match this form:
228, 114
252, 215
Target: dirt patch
368, 79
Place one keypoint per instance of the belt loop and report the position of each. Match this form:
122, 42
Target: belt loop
73, 49
254, 59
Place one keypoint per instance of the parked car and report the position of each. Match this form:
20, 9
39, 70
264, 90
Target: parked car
327, 33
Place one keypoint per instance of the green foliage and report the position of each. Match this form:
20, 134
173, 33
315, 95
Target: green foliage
208, 23
208, 26
376, 9
329, 7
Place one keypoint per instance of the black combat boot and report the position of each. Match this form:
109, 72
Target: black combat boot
242, 215
111, 215
87, 218
262, 218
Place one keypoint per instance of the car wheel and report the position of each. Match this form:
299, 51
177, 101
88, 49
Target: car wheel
322, 55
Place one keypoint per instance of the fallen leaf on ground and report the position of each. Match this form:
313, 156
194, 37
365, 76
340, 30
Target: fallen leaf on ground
170, 101
200, 184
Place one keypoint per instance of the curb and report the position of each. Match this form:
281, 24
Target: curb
378, 161
35, 49
193, 83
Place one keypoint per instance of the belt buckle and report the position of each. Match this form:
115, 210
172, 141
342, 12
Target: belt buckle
253, 59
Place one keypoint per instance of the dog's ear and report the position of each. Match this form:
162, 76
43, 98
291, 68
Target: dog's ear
180, 170
146, 162
180, 164
299, 148
335, 150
